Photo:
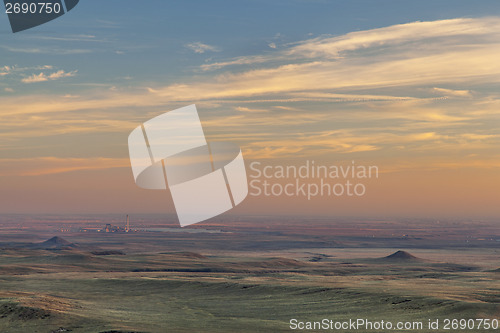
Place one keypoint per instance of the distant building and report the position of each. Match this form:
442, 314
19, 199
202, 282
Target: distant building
111, 228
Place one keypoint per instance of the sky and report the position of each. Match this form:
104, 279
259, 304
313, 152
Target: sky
411, 87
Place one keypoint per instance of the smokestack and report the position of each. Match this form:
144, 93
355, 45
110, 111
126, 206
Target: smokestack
127, 229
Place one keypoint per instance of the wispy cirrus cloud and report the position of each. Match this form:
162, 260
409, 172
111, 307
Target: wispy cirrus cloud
199, 47
55, 165
400, 56
72, 38
42, 77
452, 92
15, 73
450, 32
400, 38
46, 50
411, 87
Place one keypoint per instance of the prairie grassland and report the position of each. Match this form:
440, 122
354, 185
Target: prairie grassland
43, 291
246, 275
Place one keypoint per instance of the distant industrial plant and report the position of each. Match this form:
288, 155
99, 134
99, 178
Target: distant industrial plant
111, 228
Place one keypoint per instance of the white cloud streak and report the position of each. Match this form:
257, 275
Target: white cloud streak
409, 87
201, 48
42, 77
452, 92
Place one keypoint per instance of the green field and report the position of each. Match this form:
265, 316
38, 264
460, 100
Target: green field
74, 291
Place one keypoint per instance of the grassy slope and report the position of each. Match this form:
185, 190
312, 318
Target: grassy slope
41, 291
154, 305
